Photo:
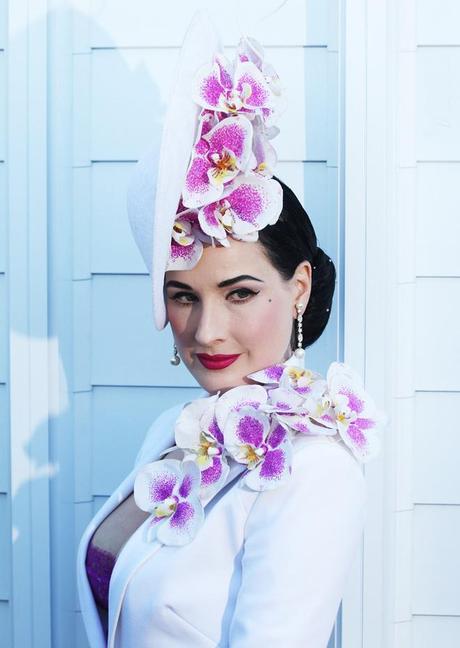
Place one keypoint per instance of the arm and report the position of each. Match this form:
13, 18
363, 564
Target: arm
301, 540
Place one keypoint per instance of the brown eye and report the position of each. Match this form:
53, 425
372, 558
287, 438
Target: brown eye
183, 298
242, 295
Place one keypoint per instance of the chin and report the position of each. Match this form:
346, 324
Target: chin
214, 381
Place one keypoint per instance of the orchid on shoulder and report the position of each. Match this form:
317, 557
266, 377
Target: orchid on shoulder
254, 425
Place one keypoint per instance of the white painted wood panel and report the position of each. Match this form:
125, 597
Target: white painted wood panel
436, 560
437, 343
5, 542
142, 23
438, 22
436, 448
3, 329
435, 632
438, 222
129, 91
438, 104
3, 23
126, 348
3, 216
4, 440
121, 417
3, 99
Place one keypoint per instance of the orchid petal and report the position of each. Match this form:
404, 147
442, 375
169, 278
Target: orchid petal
184, 257
274, 470
255, 202
197, 189
187, 428
270, 375
253, 396
182, 526
155, 482
208, 217
232, 134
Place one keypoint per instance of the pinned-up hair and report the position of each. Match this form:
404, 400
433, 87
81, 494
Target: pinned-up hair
287, 243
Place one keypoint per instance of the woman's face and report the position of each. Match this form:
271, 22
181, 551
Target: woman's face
233, 303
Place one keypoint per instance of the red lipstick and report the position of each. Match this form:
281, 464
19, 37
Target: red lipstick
218, 361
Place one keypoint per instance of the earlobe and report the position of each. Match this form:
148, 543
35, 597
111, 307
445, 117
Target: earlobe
303, 276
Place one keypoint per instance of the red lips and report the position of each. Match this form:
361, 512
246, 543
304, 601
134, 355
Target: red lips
218, 361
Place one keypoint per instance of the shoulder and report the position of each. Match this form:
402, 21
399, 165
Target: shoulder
326, 478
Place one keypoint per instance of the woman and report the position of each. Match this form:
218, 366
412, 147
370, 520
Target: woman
243, 513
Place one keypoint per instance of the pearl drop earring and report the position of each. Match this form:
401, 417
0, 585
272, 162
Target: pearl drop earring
175, 360
299, 352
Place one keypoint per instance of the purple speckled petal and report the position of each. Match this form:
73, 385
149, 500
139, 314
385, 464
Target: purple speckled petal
213, 473
269, 375
183, 525
255, 203
209, 88
250, 430
198, 191
183, 514
186, 486
357, 435
273, 464
274, 470
209, 221
215, 430
155, 482
184, 257
162, 486
247, 76
277, 435
355, 403
234, 134
236, 399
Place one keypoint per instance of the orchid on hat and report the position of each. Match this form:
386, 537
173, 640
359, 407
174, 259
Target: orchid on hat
255, 426
229, 189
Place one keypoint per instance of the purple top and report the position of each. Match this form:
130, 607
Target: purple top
99, 566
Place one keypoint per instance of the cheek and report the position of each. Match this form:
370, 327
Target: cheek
269, 321
177, 316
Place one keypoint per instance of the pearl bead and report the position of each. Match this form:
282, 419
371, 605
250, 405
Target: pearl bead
299, 353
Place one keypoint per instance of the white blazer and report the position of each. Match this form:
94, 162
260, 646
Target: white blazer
266, 569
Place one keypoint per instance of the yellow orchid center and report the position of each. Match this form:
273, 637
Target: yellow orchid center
223, 164
166, 508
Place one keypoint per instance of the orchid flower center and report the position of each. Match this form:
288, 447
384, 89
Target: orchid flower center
167, 507
223, 164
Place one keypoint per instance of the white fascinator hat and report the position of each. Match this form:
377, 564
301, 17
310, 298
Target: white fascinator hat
209, 177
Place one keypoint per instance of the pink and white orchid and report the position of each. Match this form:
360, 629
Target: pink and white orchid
218, 157
253, 203
356, 415
238, 87
169, 490
198, 434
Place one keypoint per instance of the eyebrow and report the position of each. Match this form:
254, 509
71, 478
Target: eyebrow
222, 284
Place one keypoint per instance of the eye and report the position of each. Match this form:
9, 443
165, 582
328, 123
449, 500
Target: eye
242, 295
184, 298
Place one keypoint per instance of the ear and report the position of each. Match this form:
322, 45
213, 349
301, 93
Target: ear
301, 284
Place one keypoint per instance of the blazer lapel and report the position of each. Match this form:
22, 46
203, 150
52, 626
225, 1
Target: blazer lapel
136, 552
88, 606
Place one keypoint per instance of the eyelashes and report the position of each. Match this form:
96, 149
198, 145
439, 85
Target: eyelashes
243, 295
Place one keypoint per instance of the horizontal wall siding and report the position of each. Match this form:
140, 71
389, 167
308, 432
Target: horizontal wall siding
5, 490
436, 485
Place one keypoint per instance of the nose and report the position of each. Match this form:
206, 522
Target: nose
210, 325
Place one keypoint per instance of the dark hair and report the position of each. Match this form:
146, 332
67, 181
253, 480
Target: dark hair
287, 243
